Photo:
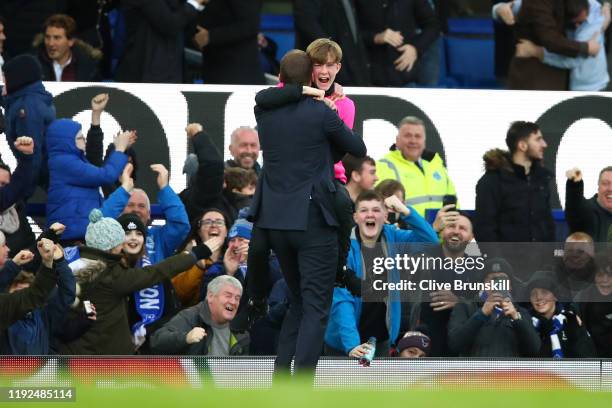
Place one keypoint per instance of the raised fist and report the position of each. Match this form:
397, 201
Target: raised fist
574, 174
195, 335
25, 144
193, 129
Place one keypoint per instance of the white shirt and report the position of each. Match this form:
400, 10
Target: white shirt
60, 68
196, 5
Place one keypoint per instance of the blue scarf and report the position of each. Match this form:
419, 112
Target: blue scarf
149, 305
558, 324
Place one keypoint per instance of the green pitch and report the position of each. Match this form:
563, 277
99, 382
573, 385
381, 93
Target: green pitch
306, 397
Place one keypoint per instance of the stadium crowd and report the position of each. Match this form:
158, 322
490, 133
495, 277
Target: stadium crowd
539, 45
101, 279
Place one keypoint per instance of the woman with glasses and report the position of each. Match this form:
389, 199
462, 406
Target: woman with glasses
211, 229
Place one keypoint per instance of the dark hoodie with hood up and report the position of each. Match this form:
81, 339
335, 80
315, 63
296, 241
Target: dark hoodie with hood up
512, 206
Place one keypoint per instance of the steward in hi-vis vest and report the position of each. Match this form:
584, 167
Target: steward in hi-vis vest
422, 173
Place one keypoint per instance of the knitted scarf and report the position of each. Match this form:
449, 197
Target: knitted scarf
558, 323
149, 305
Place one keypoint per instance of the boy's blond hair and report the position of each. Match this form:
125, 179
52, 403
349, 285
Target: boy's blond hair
321, 48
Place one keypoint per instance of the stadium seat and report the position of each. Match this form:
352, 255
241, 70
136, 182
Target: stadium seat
469, 51
279, 27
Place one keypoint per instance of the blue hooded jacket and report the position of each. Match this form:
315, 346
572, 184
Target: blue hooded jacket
343, 328
74, 182
162, 241
29, 111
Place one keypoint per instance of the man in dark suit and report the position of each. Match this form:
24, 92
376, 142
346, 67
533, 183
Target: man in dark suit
400, 37
337, 20
226, 33
294, 207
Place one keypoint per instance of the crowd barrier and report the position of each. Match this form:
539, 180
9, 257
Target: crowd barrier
256, 372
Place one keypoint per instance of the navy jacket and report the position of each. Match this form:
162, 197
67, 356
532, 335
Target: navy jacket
32, 334
29, 111
297, 140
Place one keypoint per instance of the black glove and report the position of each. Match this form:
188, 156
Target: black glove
50, 235
349, 280
258, 309
201, 251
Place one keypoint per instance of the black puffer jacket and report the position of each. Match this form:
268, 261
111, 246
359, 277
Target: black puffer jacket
510, 205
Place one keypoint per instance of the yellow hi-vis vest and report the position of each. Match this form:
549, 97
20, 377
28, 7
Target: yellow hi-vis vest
424, 190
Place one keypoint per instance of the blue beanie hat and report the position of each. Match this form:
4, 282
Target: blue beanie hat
103, 233
241, 228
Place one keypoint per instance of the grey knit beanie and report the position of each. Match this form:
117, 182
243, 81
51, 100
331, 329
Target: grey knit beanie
103, 233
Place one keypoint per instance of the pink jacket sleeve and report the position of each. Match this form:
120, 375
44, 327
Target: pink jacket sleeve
346, 112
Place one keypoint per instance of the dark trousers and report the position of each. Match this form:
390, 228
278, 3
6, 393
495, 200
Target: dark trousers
258, 279
344, 208
308, 260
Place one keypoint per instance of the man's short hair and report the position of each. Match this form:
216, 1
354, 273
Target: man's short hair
239, 178
61, 21
352, 163
573, 8
238, 130
604, 170
368, 195
4, 166
140, 190
387, 188
321, 48
580, 237
519, 130
410, 120
219, 282
296, 68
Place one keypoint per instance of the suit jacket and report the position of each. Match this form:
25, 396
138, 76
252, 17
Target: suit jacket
543, 22
327, 19
415, 19
297, 140
154, 40
231, 56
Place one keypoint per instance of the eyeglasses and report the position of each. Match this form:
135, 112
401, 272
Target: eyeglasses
208, 223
